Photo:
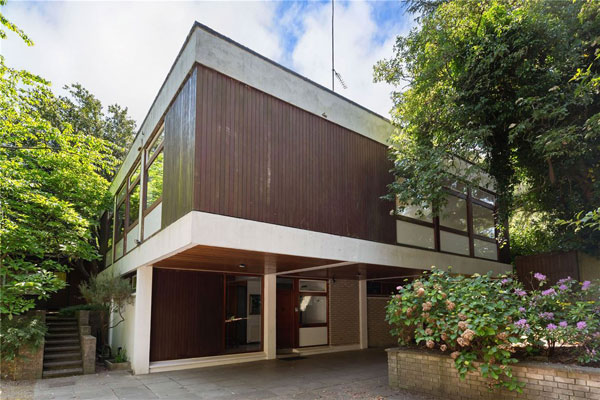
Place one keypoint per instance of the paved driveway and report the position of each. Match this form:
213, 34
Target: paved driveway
348, 375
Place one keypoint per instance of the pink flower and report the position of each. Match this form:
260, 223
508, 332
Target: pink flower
546, 315
539, 277
563, 287
585, 285
398, 287
581, 325
549, 292
522, 309
551, 327
504, 281
564, 280
563, 324
520, 292
522, 323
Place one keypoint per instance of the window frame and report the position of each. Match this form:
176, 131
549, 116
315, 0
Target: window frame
469, 233
149, 159
325, 294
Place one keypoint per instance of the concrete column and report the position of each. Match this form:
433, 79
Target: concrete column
270, 327
140, 360
362, 313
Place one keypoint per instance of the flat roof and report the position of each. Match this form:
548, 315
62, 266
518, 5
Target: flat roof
210, 48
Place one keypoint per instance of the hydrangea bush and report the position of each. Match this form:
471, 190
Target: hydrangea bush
481, 320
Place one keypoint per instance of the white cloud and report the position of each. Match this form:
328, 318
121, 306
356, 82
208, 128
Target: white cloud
356, 51
122, 51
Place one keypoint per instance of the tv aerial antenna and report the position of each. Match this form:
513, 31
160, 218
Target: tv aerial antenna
334, 74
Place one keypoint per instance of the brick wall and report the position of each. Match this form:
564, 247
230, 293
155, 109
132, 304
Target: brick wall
378, 328
343, 312
29, 364
435, 375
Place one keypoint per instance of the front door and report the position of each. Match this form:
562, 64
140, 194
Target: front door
286, 322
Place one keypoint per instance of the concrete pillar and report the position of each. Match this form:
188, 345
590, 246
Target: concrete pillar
270, 327
362, 313
140, 360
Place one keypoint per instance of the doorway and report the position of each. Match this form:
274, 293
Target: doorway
302, 313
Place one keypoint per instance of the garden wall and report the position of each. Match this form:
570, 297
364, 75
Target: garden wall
434, 374
30, 362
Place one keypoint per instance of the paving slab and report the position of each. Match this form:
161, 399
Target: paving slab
348, 375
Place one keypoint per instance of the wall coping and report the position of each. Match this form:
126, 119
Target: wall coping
521, 364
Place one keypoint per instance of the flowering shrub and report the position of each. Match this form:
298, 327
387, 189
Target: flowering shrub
567, 313
481, 321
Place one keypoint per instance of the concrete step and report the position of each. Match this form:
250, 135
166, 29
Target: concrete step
62, 364
61, 329
59, 348
62, 335
63, 355
59, 342
55, 373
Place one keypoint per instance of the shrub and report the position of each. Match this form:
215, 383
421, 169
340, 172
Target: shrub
21, 330
567, 313
471, 318
481, 320
71, 310
121, 355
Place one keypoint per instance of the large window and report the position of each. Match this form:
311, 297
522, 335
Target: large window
466, 224
154, 171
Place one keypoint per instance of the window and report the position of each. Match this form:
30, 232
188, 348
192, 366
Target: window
312, 286
120, 218
313, 310
134, 204
154, 170
465, 226
454, 214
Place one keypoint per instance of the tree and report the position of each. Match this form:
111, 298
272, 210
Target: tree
52, 189
512, 87
110, 294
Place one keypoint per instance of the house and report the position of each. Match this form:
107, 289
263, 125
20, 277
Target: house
248, 214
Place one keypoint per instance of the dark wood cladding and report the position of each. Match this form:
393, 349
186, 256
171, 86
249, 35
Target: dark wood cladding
187, 314
260, 158
555, 266
178, 181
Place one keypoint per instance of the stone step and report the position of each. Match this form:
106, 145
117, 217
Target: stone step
53, 342
60, 329
62, 355
60, 319
55, 373
61, 364
58, 348
62, 335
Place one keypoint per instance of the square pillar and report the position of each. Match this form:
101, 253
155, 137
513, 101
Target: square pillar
140, 360
362, 313
269, 320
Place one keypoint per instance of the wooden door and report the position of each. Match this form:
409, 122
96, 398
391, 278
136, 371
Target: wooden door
187, 314
286, 323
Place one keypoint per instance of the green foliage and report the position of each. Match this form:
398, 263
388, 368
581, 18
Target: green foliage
472, 318
24, 330
71, 310
567, 313
513, 87
481, 321
121, 355
108, 293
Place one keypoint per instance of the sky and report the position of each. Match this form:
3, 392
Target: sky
122, 51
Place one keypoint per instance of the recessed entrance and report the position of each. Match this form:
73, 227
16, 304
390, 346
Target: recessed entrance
302, 313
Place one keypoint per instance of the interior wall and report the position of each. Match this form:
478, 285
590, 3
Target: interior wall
253, 328
344, 322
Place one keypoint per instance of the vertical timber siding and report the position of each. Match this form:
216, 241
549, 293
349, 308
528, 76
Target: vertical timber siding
260, 158
178, 181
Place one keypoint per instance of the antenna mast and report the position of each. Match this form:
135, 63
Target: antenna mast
332, 50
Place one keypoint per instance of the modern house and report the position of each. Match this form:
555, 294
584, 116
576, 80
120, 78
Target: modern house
248, 214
